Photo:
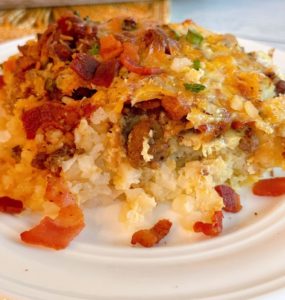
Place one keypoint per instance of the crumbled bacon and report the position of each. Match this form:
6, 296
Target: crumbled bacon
106, 72
72, 26
211, 229
11, 206
135, 142
49, 114
150, 237
2, 83
16, 153
84, 65
269, 187
129, 24
239, 125
280, 87
39, 160
24, 49
57, 233
110, 47
213, 130
249, 142
63, 51
130, 59
148, 105
175, 107
230, 197
75, 27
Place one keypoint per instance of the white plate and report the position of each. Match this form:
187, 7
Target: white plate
247, 260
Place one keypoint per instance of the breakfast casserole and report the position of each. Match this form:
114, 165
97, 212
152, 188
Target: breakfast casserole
139, 113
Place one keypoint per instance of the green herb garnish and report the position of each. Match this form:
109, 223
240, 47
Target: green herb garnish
194, 38
196, 64
175, 35
194, 87
95, 49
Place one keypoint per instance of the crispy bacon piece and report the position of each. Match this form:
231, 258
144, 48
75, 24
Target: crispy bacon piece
16, 153
280, 87
110, 47
72, 26
269, 187
11, 206
238, 125
57, 233
49, 114
129, 24
130, 59
63, 51
148, 105
175, 107
150, 237
135, 142
2, 83
106, 72
230, 197
211, 229
39, 160
213, 130
249, 142
75, 27
84, 65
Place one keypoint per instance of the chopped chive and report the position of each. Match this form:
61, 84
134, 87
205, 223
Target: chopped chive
194, 87
176, 35
194, 38
196, 64
95, 49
